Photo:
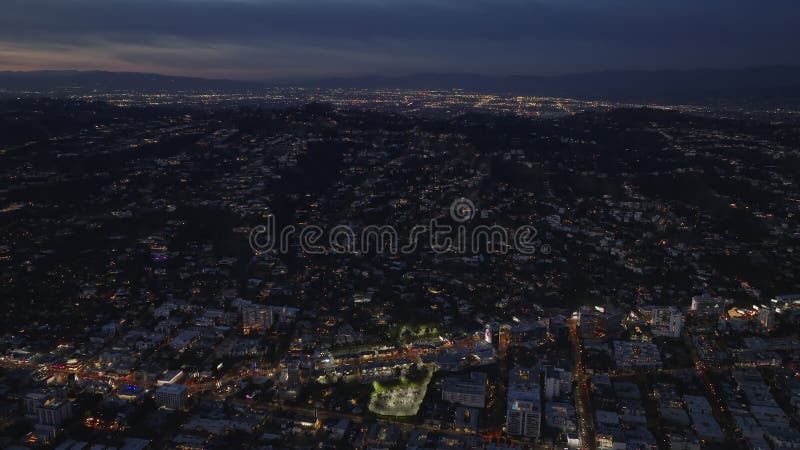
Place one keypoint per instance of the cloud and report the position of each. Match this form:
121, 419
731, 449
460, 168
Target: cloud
273, 38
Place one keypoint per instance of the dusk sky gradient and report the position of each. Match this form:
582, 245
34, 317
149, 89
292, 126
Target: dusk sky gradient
280, 39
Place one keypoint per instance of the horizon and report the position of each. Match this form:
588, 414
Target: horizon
416, 74
272, 40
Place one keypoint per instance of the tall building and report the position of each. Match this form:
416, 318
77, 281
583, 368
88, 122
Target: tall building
33, 400
504, 338
256, 318
172, 396
558, 329
524, 419
557, 382
594, 323
766, 317
53, 412
708, 304
666, 321
466, 391
636, 355
524, 413
47, 409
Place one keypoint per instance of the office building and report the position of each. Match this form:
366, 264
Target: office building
256, 318
172, 396
466, 391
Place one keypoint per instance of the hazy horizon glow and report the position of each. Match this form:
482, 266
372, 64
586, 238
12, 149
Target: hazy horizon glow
276, 39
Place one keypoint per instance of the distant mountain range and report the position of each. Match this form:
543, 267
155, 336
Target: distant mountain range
766, 84
53, 80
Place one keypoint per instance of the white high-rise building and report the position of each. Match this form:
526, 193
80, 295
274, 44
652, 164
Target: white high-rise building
524, 413
557, 382
524, 419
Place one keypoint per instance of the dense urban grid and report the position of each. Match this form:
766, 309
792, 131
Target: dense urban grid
659, 309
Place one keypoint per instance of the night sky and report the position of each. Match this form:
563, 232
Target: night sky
279, 39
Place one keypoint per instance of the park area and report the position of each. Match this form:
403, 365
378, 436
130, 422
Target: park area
400, 397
